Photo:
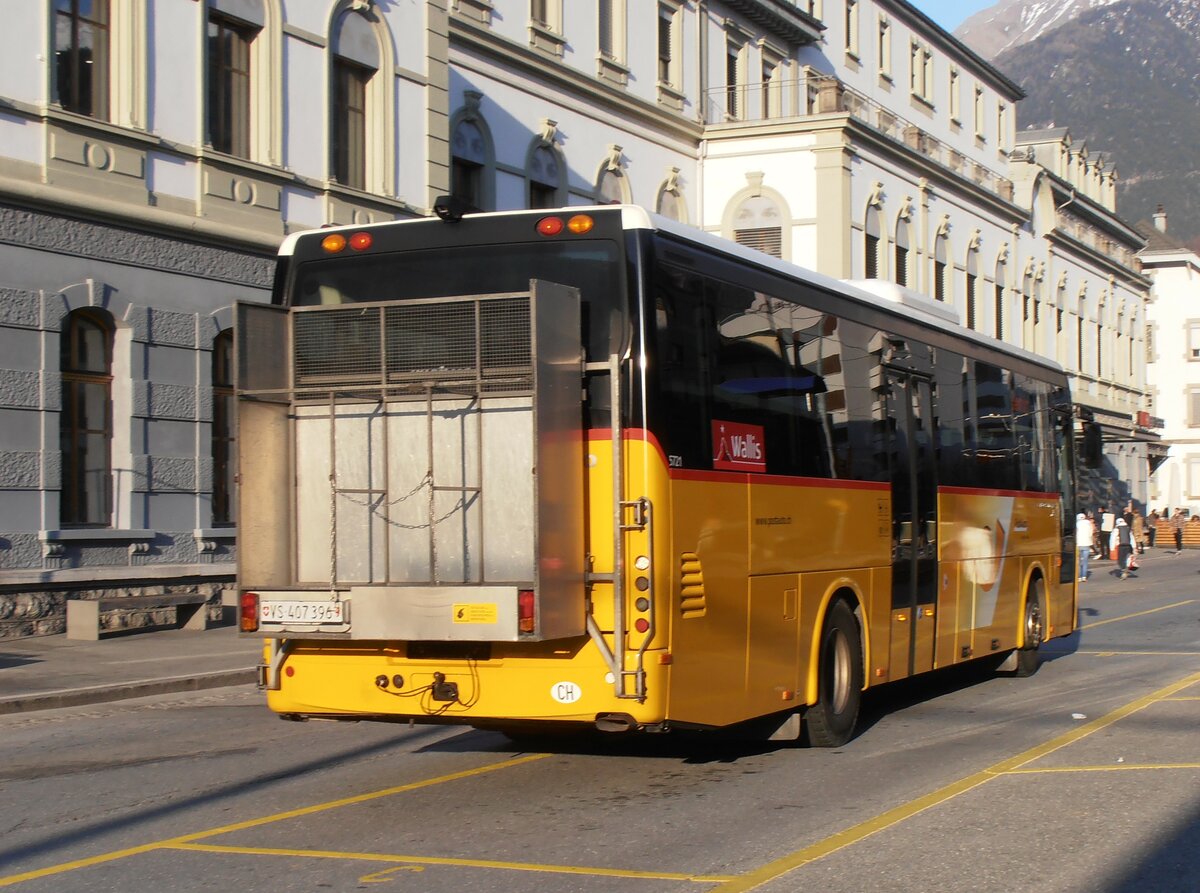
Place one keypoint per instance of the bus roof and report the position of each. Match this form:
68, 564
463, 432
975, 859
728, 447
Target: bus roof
887, 296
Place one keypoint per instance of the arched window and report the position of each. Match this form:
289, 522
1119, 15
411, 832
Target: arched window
613, 187
758, 224
362, 115
233, 28
941, 268
85, 423
972, 297
999, 306
545, 178
81, 56
671, 204
901, 252
224, 435
468, 163
871, 242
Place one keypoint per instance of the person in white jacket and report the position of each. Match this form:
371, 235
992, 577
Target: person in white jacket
1085, 532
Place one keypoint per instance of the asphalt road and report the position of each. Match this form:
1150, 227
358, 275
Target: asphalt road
1085, 777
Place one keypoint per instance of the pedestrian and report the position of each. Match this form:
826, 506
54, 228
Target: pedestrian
1108, 521
1128, 514
1122, 539
1085, 532
1177, 521
1138, 526
1152, 526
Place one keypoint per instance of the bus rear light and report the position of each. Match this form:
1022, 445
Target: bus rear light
580, 224
248, 612
550, 226
525, 603
333, 243
641, 624
360, 241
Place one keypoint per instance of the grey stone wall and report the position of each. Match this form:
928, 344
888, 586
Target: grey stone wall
44, 612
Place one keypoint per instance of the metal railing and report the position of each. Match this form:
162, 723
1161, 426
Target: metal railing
820, 94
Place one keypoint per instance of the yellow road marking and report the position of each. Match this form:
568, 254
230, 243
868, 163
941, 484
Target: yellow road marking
863, 830
1138, 614
1126, 653
461, 863
266, 820
1115, 767
1184, 698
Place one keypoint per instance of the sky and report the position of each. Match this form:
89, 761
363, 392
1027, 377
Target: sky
951, 13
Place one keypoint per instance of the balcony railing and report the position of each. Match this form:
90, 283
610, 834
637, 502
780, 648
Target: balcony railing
818, 94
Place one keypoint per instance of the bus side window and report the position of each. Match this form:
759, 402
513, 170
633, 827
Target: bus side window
759, 379
681, 419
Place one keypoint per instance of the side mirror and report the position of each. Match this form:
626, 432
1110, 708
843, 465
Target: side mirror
1093, 445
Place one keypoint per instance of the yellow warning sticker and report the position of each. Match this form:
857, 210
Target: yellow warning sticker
482, 613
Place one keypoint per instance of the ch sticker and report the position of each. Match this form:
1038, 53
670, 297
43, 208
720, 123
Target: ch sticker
478, 613
566, 692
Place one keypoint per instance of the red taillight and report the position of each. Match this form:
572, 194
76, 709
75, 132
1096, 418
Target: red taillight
550, 226
360, 241
641, 624
525, 603
249, 612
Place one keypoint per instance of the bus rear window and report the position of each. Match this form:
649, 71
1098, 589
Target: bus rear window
592, 266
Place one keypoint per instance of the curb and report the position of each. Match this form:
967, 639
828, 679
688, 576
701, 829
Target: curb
99, 694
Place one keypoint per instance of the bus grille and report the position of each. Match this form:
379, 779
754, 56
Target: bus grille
450, 347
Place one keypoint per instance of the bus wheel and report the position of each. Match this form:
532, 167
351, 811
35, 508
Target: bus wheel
830, 722
1028, 660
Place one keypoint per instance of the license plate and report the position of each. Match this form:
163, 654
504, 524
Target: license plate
301, 613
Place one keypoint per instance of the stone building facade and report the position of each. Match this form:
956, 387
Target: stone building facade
154, 152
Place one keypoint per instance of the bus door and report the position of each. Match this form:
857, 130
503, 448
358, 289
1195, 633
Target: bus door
914, 524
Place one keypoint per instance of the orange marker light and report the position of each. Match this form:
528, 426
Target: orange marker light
333, 243
361, 241
550, 226
248, 612
580, 224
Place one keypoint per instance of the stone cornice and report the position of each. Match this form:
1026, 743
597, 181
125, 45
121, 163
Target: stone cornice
472, 36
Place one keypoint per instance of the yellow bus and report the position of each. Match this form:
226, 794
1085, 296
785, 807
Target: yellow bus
591, 468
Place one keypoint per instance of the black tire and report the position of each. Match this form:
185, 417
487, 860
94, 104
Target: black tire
1033, 627
830, 722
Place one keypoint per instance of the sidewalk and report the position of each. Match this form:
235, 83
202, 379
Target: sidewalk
46, 672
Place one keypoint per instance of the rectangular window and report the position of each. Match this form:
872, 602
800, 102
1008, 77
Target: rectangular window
871, 260
852, 27
884, 48
901, 265
1079, 344
1193, 340
1193, 477
939, 280
1001, 124
1099, 350
229, 86
770, 92
666, 46
955, 96
606, 27
1193, 407
539, 11
732, 80
349, 123
980, 124
81, 56
920, 76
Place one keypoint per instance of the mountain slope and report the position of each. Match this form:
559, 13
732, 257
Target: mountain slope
1010, 23
1125, 79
